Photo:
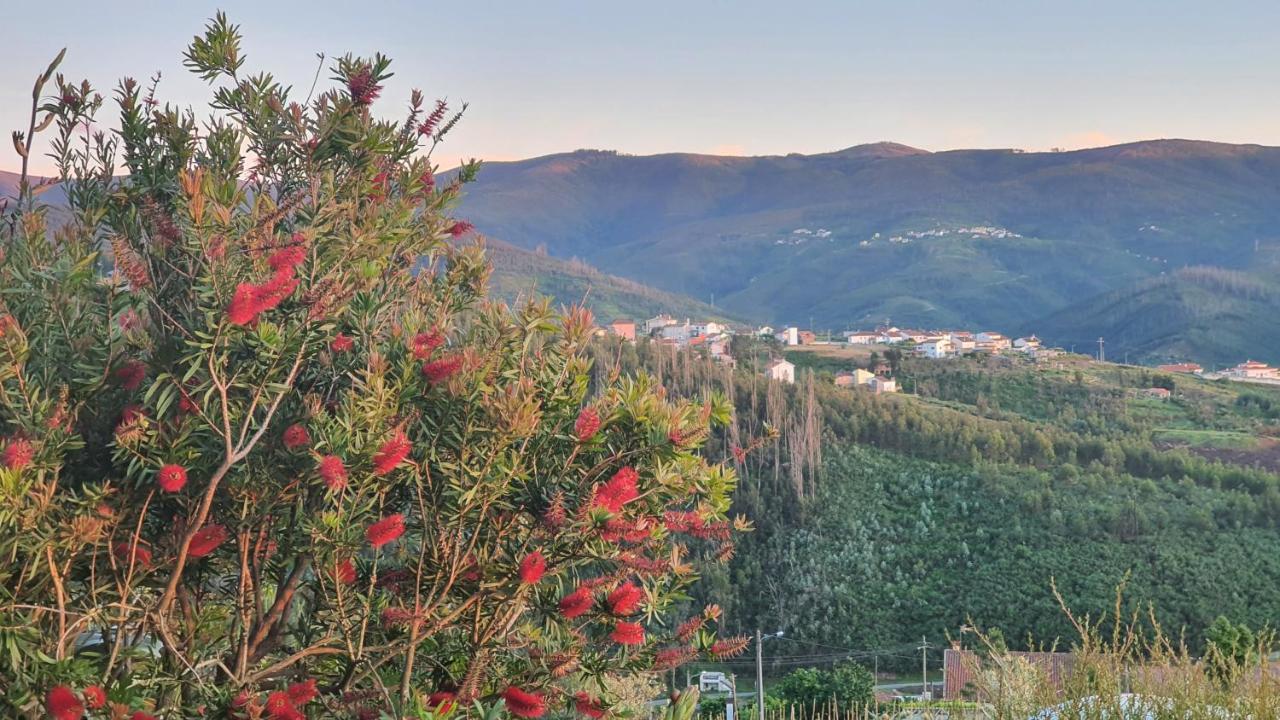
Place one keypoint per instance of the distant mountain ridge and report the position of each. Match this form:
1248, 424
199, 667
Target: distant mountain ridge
855, 237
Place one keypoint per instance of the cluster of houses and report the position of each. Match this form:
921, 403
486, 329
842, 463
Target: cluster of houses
665, 329
949, 343
1247, 371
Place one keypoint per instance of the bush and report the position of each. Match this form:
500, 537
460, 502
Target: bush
268, 452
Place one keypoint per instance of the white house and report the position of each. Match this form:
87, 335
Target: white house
657, 322
782, 371
1026, 344
936, 349
993, 340
891, 336
880, 384
789, 336
1253, 369
860, 337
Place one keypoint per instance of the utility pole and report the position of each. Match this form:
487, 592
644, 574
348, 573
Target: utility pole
1102, 353
924, 667
759, 675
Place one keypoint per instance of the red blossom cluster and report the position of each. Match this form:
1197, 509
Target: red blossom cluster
171, 477
588, 706
391, 453
628, 633
532, 568
206, 540
362, 86
424, 343
576, 603
384, 531
441, 701
673, 657
341, 343
18, 453
332, 471
691, 523
618, 491
250, 300
432, 121
140, 555
625, 600
345, 571
524, 704
442, 369
588, 422
296, 436
130, 375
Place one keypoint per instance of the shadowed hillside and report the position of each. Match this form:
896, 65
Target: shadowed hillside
1209, 315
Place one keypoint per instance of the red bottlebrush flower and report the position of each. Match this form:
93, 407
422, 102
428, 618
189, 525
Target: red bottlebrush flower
576, 603
302, 693
391, 454
687, 628
287, 257
206, 540
729, 647
524, 704
424, 343
63, 704
589, 706
673, 657
618, 491
441, 701
428, 182
171, 478
442, 369
587, 424
94, 697
18, 454
341, 343
296, 436
675, 437
139, 715
739, 454
345, 571
627, 633
280, 707
532, 568
625, 599
396, 617
332, 471
244, 305
460, 228
130, 375
141, 555
432, 121
362, 86
385, 530
271, 293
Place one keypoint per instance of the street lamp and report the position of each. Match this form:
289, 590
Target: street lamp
760, 670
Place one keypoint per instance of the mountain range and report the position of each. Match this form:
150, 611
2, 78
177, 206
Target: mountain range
1015, 241
1167, 248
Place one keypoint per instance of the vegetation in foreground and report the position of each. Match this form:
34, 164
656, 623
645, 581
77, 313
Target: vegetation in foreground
273, 456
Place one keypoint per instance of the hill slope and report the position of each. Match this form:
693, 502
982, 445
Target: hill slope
1208, 315
518, 272
982, 237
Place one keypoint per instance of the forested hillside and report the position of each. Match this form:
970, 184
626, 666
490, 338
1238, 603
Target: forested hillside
977, 237
884, 518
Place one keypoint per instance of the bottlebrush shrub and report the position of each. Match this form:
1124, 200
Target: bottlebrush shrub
269, 453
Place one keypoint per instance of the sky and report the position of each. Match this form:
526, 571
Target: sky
733, 77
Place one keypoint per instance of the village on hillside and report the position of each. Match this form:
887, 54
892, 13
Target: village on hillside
716, 338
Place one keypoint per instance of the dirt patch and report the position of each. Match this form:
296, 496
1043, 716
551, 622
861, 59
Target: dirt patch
1266, 455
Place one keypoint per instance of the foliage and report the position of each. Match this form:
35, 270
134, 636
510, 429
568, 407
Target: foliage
268, 452
849, 686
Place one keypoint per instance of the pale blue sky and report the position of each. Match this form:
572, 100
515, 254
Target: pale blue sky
737, 77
